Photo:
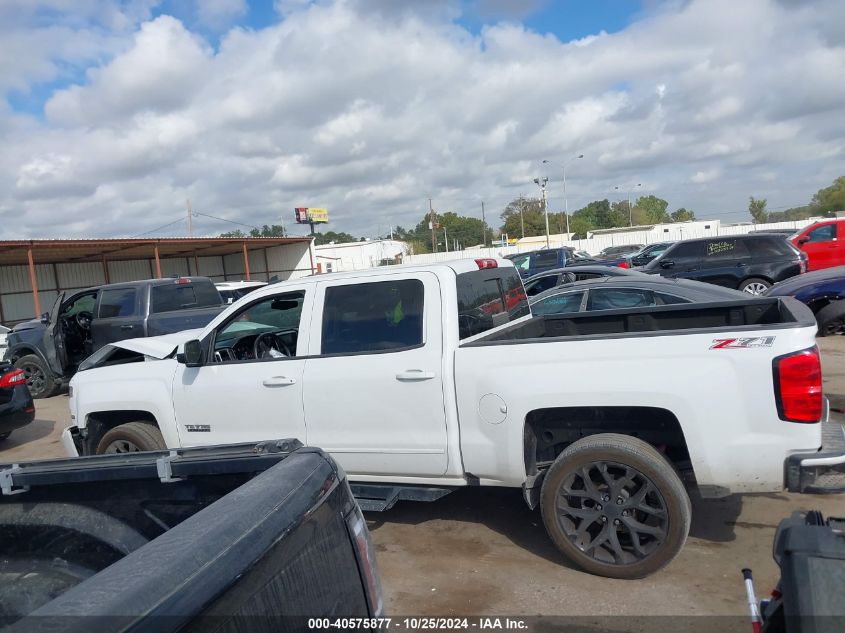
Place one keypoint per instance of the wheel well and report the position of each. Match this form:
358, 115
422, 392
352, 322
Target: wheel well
549, 431
22, 351
102, 422
763, 277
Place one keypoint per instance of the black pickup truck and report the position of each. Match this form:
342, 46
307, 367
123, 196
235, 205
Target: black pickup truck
243, 537
49, 349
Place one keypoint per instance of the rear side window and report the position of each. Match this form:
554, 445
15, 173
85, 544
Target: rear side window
488, 298
665, 299
544, 259
119, 302
181, 296
373, 317
544, 283
563, 303
724, 249
771, 247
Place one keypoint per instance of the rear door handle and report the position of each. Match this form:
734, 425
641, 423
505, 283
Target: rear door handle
278, 381
414, 374
126, 327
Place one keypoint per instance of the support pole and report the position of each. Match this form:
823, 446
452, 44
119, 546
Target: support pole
33, 283
246, 262
105, 271
158, 262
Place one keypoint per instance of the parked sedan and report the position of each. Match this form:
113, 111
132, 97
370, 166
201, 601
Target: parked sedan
570, 274
621, 251
823, 291
650, 252
617, 293
16, 407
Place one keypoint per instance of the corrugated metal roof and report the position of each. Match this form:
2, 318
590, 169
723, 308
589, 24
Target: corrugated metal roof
14, 252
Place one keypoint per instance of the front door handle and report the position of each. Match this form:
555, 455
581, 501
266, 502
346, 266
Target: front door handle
414, 374
126, 327
278, 381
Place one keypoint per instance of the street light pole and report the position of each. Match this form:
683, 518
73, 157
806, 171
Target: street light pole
541, 182
630, 209
565, 198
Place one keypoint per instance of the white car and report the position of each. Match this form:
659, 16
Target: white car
419, 380
231, 291
4, 331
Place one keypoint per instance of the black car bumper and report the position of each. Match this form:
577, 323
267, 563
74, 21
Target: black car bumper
16, 409
823, 471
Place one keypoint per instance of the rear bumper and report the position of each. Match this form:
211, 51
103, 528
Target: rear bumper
822, 472
72, 441
18, 411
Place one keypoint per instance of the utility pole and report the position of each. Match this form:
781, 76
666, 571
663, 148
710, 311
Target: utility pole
431, 224
190, 221
541, 182
445, 240
483, 227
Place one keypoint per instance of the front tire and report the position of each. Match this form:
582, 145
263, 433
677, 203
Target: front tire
132, 437
39, 379
755, 286
831, 319
615, 507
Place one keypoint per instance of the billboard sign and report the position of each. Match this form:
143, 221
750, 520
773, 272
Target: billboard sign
309, 215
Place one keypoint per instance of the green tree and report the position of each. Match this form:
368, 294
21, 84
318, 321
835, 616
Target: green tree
654, 209
682, 215
527, 213
831, 199
330, 236
757, 209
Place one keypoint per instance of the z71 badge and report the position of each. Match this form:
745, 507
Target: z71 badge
198, 428
742, 343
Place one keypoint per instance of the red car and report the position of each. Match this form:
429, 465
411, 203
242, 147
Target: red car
821, 243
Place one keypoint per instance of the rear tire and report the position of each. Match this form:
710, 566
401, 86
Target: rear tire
615, 506
132, 437
755, 286
831, 319
39, 379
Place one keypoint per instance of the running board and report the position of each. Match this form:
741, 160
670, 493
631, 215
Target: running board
380, 497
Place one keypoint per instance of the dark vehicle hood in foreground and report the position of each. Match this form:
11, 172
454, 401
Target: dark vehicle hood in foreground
32, 324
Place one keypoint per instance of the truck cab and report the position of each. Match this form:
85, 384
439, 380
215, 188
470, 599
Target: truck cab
50, 349
822, 243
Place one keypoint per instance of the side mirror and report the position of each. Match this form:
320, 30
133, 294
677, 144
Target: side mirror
803, 240
45, 318
192, 354
667, 264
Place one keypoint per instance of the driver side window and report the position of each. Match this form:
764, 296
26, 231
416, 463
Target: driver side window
265, 330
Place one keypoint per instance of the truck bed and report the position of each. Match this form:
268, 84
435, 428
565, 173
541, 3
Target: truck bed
733, 316
189, 539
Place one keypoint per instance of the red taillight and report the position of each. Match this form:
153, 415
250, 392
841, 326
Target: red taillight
798, 386
622, 265
13, 378
486, 262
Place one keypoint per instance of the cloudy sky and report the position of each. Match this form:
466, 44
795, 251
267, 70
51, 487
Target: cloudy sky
114, 112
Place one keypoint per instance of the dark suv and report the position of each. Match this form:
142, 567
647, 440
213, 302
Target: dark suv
751, 263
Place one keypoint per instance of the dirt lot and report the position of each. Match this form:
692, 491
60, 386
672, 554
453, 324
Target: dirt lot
483, 552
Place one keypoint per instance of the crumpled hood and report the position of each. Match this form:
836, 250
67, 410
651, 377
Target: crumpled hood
158, 346
28, 325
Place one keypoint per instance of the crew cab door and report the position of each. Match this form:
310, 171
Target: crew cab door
238, 397
54, 338
117, 316
373, 383
726, 262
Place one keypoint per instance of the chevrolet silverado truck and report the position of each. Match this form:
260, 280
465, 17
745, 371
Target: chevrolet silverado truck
260, 536
419, 380
49, 349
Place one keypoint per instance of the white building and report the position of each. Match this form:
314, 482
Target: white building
358, 255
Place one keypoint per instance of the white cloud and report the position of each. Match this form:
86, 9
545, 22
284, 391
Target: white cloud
370, 107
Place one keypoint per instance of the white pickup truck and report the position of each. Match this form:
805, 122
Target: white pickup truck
419, 380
